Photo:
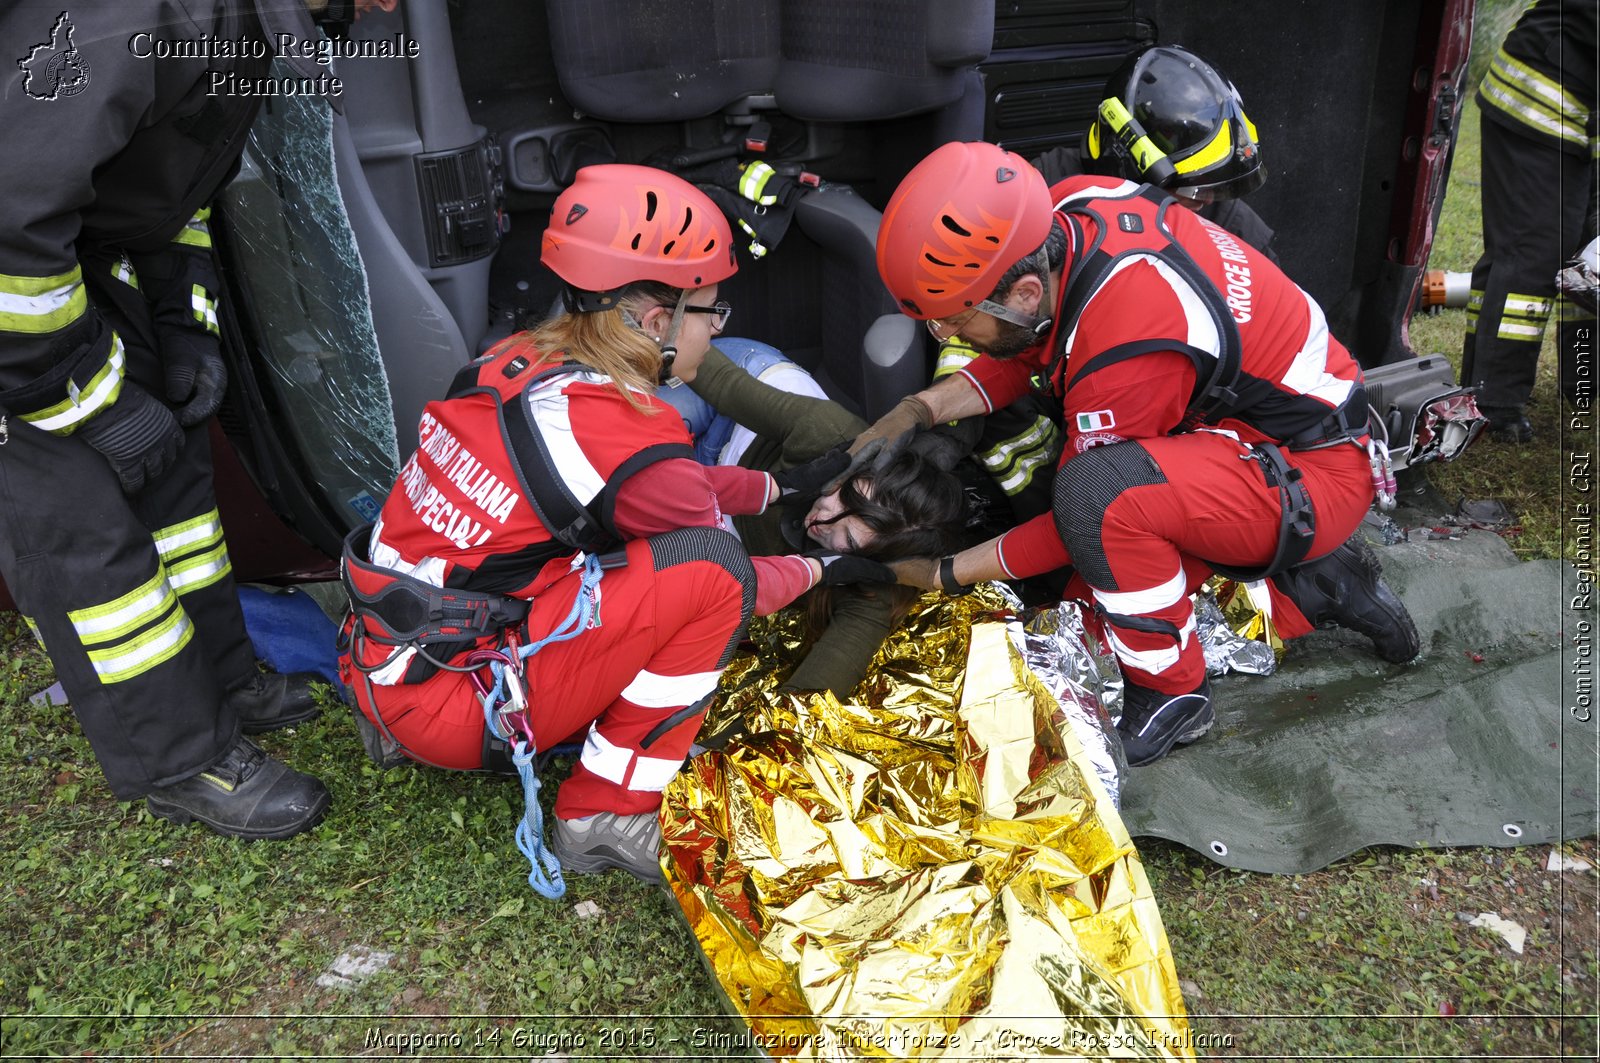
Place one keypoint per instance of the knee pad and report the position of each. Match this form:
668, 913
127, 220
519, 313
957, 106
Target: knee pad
707, 544
1085, 488
721, 549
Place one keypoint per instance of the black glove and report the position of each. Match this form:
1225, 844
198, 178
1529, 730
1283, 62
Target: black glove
929, 574
946, 445
808, 480
195, 377
137, 435
886, 438
841, 569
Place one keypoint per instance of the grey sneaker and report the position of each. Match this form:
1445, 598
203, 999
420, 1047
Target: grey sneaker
607, 839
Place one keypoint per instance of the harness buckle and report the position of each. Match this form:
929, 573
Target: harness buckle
516, 699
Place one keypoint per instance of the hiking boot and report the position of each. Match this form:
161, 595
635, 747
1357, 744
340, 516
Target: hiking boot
1346, 588
382, 750
267, 701
245, 795
609, 839
1508, 424
1153, 722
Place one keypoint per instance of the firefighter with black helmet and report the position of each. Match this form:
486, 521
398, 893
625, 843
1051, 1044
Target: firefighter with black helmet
1171, 118
1212, 422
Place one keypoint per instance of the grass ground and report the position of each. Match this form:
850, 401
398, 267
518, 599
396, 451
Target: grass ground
122, 936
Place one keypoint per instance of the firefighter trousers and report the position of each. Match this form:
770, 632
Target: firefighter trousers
1535, 198
133, 595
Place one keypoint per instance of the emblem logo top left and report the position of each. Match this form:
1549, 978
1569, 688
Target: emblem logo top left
55, 68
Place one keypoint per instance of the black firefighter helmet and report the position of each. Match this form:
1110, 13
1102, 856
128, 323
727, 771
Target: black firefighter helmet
1170, 118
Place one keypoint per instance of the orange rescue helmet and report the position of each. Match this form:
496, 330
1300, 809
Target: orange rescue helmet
961, 218
616, 225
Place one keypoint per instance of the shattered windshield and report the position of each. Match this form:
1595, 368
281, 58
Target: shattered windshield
317, 351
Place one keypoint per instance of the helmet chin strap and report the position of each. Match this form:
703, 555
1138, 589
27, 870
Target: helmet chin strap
1038, 324
669, 342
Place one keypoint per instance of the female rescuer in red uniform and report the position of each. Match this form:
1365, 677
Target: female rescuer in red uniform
1212, 423
554, 443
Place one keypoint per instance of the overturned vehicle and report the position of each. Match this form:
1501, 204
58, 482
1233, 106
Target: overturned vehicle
371, 253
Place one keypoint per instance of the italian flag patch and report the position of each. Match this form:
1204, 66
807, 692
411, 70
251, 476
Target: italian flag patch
1097, 421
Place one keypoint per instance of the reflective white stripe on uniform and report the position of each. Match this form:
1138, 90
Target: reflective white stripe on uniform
41, 304
606, 760
430, 570
1114, 186
130, 635
1154, 661
1201, 331
1534, 99
653, 773
552, 417
1523, 317
204, 308
175, 539
1527, 305
1517, 330
104, 387
1308, 373
753, 183
200, 569
393, 673
1151, 600
651, 691
133, 610
143, 653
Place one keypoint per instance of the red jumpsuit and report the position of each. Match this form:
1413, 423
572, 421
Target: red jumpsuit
468, 513
1147, 499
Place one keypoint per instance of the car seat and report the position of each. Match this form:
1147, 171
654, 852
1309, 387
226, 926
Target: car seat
751, 63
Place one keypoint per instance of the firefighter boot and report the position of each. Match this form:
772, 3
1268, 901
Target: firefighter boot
246, 795
1153, 722
267, 700
1346, 588
609, 839
1508, 424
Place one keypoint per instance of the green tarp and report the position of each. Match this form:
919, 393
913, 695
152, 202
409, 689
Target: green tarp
1479, 742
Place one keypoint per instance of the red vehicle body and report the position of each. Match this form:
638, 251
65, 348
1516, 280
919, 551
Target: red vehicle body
371, 254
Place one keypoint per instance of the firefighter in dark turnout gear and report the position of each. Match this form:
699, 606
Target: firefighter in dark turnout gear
1537, 106
110, 540
552, 481
1212, 422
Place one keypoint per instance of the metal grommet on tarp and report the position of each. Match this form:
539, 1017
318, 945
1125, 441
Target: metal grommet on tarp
1512, 830
1218, 850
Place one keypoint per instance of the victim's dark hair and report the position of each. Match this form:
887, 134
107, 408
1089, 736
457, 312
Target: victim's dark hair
916, 509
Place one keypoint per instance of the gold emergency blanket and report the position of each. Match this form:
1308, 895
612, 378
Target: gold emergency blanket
1244, 607
932, 873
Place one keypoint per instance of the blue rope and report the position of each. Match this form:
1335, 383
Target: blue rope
544, 873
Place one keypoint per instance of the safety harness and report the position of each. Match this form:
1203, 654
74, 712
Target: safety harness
475, 625
1140, 228
1135, 223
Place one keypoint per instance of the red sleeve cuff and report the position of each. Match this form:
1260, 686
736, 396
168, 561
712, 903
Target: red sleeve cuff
1032, 549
